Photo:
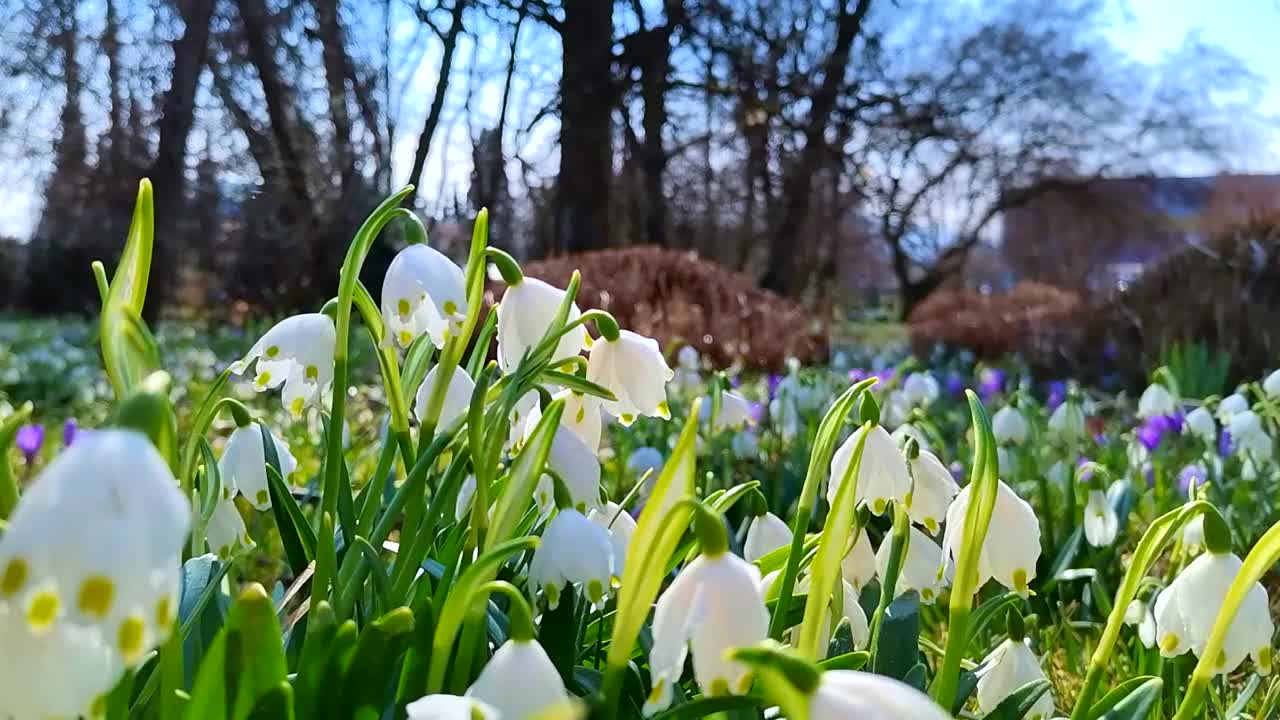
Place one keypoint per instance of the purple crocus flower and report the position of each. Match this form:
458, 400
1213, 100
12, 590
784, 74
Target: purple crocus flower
857, 375
69, 431
1153, 429
957, 471
990, 383
955, 385
29, 440
1087, 475
757, 411
1225, 444
886, 375
774, 381
1193, 473
1057, 393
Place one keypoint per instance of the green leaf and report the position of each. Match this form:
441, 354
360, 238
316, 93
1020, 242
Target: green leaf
1018, 704
276, 704
8, 479
993, 610
296, 534
200, 616
899, 649
245, 663
325, 640
378, 650
849, 661
413, 674
523, 478
1127, 699
708, 706
576, 383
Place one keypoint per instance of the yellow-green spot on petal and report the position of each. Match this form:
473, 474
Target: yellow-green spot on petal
1020, 580
43, 609
402, 307
99, 707
719, 687
406, 337
96, 594
295, 406
664, 410
582, 414
164, 613
1264, 659
879, 505
656, 693
589, 341
129, 638
595, 591
1222, 659
927, 595
263, 378
450, 307
263, 497
931, 525
15, 576
224, 552
744, 684
627, 418
1169, 642
273, 351
313, 372
553, 596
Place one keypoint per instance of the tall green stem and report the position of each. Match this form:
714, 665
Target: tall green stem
900, 540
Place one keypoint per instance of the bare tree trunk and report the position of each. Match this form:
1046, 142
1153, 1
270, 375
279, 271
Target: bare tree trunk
336, 72
581, 206
450, 40
168, 171
798, 182
111, 48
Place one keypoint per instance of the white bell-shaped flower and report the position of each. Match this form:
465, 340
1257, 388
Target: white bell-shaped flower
576, 463
525, 406
581, 417
645, 459
633, 368
859, 563
1230, 405
1271, 386
735, 411
714, 604
896, 409
687, 358
745, 444
921, 389
846, 694
525, 314
882, 477
519, 682
621, 527
226, 532
859, 628
932, 491
1012, 545
765, 533
1200, 423
243, 465
1186, 611
457, 397
1066, 424
450, 707
1155, 401
1009, 426
423, 292
298, 352
1100, 521
573, 550
1139, 615
922, 567
1249, 437
90, 560
1009, 667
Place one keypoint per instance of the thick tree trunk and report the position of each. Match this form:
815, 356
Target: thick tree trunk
111, 48
168, 171
654, 79
335, 74
797, 184
581, 207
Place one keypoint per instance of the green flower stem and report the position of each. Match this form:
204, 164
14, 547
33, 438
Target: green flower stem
1161, 532
347, 281
507, 266
1046, 503
824, 447
100, 278
388, 364
519, 614
1260, 559
605, 323
900, 539
8, 480
977, 520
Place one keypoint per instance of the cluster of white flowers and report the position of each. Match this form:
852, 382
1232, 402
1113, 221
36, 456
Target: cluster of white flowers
89, 574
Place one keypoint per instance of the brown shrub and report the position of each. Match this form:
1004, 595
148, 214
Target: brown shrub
1224, 294
989, 325
677, 297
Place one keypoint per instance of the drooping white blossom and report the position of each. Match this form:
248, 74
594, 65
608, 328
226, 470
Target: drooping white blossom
621, 527
524, 315
632, 367
423, 292
1187, 609
1009, 667
1156, 400
921, 389
1100, 521
298, 353
850, 694
1200, 423
1009, 426
765, 533
922, 567
882, 476
1012, 546
573, 550
519, 681
243, 465
932, 491
714, 604
457, 397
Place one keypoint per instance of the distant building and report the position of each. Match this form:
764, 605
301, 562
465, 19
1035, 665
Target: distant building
1101, 235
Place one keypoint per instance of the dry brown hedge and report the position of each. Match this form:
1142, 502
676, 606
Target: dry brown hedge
990, 325
677, 297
